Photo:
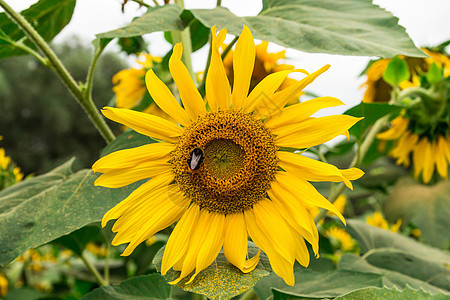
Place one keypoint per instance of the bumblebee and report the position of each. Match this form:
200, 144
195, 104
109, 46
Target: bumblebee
195, 160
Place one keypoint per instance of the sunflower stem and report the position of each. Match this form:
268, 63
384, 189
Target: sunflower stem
142, 3
356, 162
185, 38
56, 64
19, 44
106, 271
93, 270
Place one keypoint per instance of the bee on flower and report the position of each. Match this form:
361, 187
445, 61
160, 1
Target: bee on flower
244, 184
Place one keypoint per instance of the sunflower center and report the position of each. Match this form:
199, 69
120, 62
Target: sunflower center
223, 158
239, 161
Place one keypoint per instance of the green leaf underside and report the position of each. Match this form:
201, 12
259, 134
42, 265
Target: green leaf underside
160, 18
348, 27
317, 284
426, 207
48, 17
401, 260
150, 287
220, 273
371, 113
43, 208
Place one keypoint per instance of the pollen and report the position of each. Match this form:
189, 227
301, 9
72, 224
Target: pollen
239, 162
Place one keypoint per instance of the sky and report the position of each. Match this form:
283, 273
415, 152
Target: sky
427, 23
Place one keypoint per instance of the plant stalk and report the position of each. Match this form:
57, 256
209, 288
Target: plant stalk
93, 270
86, 103
185, 38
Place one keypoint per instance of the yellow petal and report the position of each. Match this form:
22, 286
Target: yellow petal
352, 173
235, 244
128, 158
217, 86
164, 99
265, 89
143, 123
419, 157
122, 177
306, 192
428, 164
179, 238
137, 196
243, 63
399, 126
441, 162
298, 112
167, 213
310, 169
281, 266
296, 215
301, 253
403, 148
281, 98
275, 227
192, 100
212, 244
198, 237
313, 131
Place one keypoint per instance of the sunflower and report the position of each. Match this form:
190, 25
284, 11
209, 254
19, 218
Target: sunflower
427, 154
222, 172
377, 220
342, 237
377, 90
266, 63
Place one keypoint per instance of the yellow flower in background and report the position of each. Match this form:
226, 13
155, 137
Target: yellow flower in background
221, 172
3, 285
377, 90
266, 63
377, 220
427, 155
129, 84
345, 240
96, 249
4, 159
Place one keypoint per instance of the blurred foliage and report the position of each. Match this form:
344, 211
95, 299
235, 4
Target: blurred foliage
41, 125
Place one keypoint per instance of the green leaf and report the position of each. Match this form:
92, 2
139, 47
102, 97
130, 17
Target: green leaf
426, 207
433, 272
221, 273
319, 26
41, 209
199, 35
371, 113
401, 259
370, 237
77, 240
396, 72
434, 74
391, 279
48, 17
393, 294
149, 287
316, 284
160, 18
25, 293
